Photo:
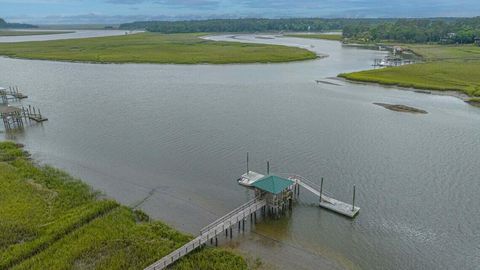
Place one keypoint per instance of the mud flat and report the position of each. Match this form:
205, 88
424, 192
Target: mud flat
401, 108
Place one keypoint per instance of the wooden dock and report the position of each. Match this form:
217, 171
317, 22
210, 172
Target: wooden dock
326, 201
273, 195
15, 118
211, 232
12, 93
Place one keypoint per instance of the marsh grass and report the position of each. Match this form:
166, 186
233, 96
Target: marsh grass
154, 48
31, 33
50, 220
446, 68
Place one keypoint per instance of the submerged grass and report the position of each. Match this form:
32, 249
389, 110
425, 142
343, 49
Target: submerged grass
154, 48
446, 68
53, 221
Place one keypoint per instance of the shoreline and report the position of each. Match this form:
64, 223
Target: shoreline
77, 221
426, 91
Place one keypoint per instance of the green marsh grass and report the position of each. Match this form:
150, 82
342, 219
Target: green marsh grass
31, 33
154, 48
50, 220
446, 68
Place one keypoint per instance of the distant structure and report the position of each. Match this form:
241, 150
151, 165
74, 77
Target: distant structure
477, 41
448, 38
14, 118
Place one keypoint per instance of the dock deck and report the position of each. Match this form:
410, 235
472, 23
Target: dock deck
247, 179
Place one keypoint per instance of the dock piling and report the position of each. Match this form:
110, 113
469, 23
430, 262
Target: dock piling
353, 200
321, 189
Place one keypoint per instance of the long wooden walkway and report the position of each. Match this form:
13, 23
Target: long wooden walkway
210, 232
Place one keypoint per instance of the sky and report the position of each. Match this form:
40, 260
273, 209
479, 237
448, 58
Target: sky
119, 11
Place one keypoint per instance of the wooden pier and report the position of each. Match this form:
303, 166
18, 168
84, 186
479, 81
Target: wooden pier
274, 196
210, 233
12, 93
325, 200
15, 118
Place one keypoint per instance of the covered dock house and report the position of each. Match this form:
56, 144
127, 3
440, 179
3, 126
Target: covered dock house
278, 192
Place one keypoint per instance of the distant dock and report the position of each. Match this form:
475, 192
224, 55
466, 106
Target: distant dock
14, 117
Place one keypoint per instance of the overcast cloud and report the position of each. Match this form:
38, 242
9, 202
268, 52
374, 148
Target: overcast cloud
118, 11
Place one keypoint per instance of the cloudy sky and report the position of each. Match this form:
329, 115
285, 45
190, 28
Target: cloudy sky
116, 11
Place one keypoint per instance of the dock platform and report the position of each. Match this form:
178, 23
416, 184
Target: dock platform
326, 201
247, 179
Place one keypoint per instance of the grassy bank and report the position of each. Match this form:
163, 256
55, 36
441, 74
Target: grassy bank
446, 68
30, 33
154, 48
50, 220
337, 37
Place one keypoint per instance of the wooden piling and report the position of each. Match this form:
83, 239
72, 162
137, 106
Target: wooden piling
353, 200
321, 189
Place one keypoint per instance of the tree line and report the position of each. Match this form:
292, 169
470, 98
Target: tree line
4, 24
245, 25
448, 30
444, 30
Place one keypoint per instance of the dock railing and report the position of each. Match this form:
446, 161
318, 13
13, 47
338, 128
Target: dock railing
231, 214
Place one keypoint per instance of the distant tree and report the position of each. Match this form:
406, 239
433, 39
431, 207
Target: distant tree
401, 30
4, 24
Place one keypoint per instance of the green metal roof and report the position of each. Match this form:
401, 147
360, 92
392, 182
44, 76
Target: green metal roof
272, 184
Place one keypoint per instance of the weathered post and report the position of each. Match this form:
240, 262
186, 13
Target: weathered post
353, 201
268, 167
321, 189
247, 164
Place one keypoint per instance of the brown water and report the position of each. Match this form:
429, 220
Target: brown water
183, 132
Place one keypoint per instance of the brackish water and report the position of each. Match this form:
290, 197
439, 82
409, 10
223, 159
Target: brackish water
181, 133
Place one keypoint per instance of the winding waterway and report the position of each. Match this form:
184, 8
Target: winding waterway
180, 133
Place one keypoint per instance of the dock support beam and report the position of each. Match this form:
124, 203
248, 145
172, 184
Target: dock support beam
247, 164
